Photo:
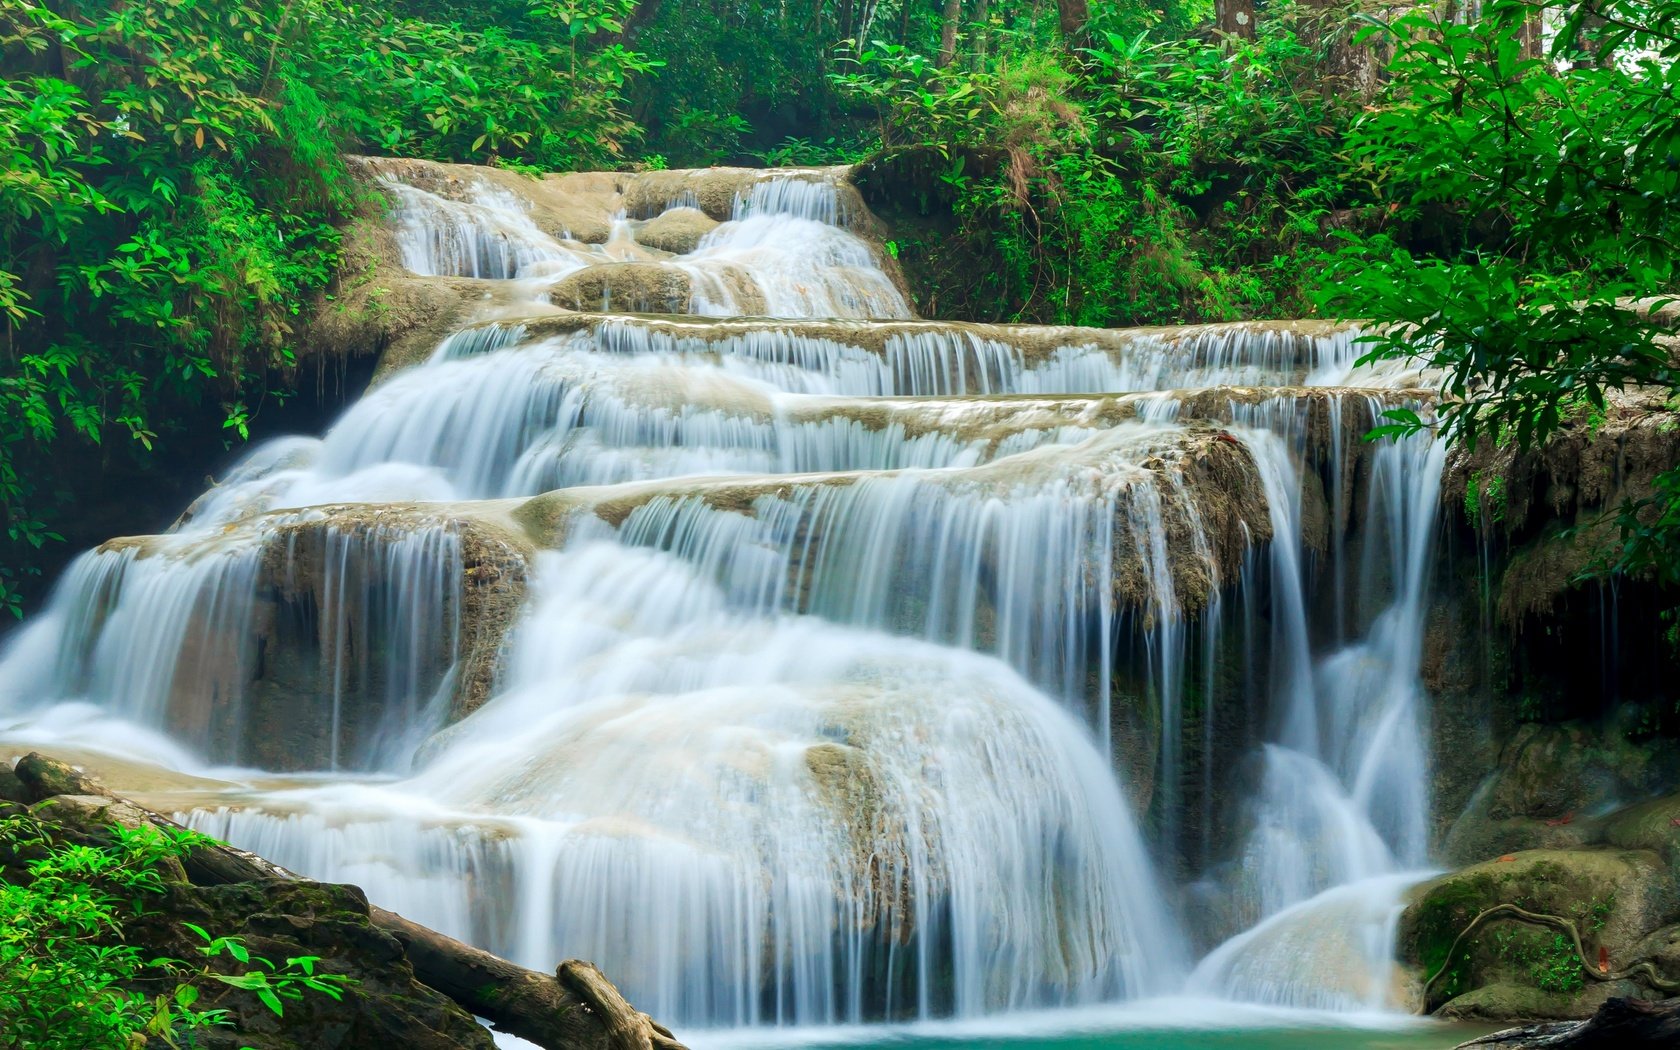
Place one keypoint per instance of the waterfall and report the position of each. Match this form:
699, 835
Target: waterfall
817, 666
1340, 815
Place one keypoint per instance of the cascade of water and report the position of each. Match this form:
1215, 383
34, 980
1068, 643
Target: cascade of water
1341, 810
352, 626
800, 265
816, 199
929, 360
810, 716
488, 236
741, 817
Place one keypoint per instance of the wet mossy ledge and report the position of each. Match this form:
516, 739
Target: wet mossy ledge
400, 984
1556, 733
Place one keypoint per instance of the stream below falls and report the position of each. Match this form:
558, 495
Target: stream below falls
807, 666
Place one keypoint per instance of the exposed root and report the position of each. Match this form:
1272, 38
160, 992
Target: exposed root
1642, 968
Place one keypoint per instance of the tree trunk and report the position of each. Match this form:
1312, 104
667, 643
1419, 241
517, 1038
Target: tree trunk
569, 1009
948, 32
982, 32
1075, 16
1235, 17
1533, 42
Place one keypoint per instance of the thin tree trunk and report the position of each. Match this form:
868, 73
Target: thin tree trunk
948, 32
982, 32
1075, 16
1235, 17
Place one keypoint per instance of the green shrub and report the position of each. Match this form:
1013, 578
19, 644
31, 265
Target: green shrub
68, 980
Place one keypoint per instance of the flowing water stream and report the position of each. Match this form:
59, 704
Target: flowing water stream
816, 668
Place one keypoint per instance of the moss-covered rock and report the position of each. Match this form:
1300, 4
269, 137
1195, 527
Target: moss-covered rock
384, 1005
1615, 898
1515, 1001
1653, 825
39, 777
1552, 783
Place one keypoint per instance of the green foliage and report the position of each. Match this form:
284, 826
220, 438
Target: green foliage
148, 263
65, 976
1484, 500
172, 184
1154, 180
1552, 962
68, 980
1536, 190
803, 153
1599, 911
274, 986
546, 94
915, 101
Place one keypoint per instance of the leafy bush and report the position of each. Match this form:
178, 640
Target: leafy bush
1539, 190
172, 184
546, 95
1154, 181
68, 981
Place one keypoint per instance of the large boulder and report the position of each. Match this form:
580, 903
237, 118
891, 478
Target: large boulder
1549, 783
1508, 968
626, 288
678, 231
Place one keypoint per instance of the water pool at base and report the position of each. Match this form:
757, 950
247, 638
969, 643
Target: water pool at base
1152, 1025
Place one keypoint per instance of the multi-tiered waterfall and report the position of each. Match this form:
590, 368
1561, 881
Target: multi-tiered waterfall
797, 661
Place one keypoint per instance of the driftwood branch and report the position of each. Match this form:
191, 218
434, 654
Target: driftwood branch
635, 1028
1643, 968
565, 1010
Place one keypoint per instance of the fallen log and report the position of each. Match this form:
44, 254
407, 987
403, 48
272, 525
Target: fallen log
572, 1008
575, 1008
1620, 1024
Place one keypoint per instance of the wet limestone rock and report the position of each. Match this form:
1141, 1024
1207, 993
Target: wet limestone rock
1652, 825
1548, 783
378, 307
39, 777
678, 231
626, 288
1512, 964
578, 208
